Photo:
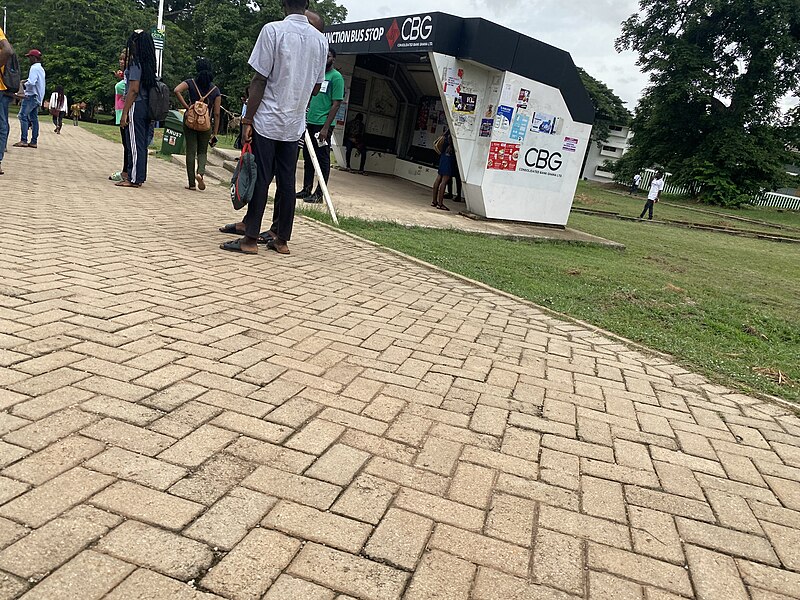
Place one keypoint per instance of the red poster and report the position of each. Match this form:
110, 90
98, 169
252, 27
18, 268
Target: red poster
503, 157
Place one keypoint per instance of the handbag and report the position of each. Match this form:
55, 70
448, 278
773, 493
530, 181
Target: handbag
243, 182
438, 145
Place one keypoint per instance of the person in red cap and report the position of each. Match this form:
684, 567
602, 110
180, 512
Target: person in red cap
34, 87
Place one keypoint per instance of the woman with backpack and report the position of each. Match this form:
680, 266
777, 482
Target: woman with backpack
140, 78
204, 99
58, 107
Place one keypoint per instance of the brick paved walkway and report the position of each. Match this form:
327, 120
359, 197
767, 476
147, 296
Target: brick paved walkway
181, 423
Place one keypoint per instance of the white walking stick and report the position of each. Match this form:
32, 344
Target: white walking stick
318, 170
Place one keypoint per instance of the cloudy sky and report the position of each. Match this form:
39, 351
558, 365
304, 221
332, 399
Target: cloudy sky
585, 28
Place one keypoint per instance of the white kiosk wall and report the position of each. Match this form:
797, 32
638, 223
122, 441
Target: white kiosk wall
519, 151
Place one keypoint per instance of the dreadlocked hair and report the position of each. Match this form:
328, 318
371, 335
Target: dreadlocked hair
204, 75
141, 51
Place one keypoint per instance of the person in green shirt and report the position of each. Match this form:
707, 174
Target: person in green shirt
319, 121
119, 104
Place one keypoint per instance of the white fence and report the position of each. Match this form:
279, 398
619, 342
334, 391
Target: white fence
669, 188
768, 199
774, 200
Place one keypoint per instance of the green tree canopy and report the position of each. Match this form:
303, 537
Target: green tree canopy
718, 70
609, 108
81, 39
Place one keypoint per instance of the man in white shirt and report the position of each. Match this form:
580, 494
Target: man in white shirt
656, 186
289, 59
637, 179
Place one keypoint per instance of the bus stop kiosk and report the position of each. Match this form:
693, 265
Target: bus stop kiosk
517, 109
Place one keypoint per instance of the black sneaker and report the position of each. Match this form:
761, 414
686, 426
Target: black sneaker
447, 196
302, 195
315, 198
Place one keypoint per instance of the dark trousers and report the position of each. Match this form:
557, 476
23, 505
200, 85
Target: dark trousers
58, 119
323, 156
196, 152
139, 123
648, 207
274, 160
362, 149
126, 150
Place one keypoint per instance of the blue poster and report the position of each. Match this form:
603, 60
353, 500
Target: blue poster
520, 127
503, 120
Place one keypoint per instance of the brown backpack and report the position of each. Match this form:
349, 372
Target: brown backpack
198, 117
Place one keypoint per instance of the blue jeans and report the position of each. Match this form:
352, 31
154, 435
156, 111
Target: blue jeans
5, 101
29, 117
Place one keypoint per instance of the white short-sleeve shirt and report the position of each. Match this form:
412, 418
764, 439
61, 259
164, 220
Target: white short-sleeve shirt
292, 55
63, 107
655, 187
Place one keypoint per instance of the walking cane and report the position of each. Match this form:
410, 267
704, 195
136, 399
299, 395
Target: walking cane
318, 170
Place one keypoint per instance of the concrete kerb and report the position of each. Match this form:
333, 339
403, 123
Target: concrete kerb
553, 313
607, 244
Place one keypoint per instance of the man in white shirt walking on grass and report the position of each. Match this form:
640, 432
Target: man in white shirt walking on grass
289, 59
656, 186
637, 179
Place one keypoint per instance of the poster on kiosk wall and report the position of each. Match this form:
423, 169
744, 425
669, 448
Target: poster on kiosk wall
534, 146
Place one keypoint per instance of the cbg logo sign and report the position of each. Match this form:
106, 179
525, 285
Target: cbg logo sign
543, 159
415, 31
417, 28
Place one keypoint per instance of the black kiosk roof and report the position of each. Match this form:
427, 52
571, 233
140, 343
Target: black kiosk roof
472, 39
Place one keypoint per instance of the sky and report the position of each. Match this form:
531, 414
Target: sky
584, 28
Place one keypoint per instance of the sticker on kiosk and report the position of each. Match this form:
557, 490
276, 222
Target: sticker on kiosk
503, 156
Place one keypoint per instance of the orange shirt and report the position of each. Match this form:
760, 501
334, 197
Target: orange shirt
3, 68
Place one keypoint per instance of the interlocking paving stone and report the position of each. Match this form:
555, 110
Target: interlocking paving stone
157, 549
252, 566
343, 423
348, 573
147, 585
88, 576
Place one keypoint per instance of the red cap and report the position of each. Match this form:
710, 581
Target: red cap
35, 53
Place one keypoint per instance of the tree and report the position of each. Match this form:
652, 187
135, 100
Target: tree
609, 108
81, 41
718, 69
330, 11
212, 26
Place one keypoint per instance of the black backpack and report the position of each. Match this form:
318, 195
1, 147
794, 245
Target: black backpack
158, 101
11, 75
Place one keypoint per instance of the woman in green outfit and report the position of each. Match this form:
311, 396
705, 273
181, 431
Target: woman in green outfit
200, 88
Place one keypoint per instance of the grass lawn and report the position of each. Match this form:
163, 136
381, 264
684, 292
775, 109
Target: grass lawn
722, 305
112, 133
